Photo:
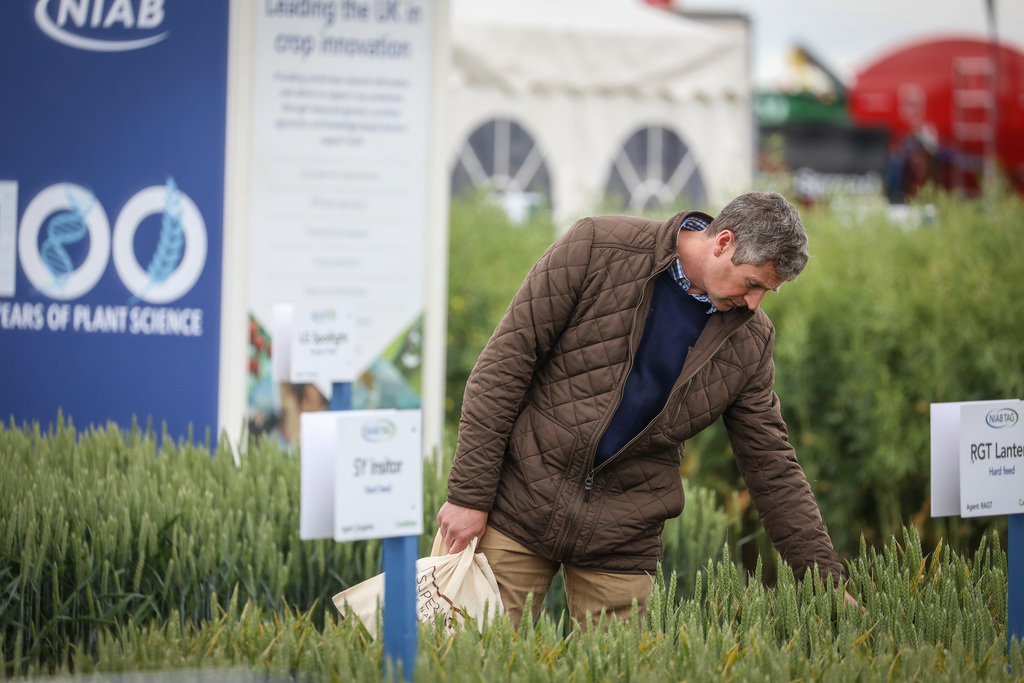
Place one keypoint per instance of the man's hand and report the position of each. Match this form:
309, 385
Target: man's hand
852, 601
460, 525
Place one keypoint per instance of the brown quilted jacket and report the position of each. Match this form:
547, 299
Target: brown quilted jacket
546, 386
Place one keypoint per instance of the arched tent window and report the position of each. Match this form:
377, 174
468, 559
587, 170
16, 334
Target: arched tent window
502, 158
653, 169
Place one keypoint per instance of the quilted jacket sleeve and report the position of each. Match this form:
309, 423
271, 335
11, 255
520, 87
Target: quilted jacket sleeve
774, 478
533, 323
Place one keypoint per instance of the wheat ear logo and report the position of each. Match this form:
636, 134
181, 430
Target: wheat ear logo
171, 244
180, 253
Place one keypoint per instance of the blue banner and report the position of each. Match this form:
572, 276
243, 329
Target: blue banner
112, 136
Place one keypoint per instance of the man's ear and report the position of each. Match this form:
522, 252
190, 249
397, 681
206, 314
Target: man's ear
723, 240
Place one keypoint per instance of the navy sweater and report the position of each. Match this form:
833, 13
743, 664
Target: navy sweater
675, 321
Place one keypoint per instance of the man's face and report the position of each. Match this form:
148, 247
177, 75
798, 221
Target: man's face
737, 286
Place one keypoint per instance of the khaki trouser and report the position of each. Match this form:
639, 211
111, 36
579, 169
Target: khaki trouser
519, 571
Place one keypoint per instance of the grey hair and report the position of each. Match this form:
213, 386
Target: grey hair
767, 229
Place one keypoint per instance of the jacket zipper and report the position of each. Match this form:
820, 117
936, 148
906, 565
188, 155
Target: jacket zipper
569, 533
588, 485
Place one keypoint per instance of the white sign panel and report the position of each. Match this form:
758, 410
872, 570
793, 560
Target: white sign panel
945, 439
315, 344
318, 451
991, 459
378, 485
281, 360
321, 344
8, 228
338, 198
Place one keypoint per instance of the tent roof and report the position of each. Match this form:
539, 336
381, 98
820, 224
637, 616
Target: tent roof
592, 47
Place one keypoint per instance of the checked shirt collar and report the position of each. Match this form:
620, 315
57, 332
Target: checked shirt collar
693, 224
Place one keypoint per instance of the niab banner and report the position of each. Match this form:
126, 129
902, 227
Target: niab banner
112, 139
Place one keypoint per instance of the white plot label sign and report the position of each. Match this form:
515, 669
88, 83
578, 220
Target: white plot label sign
991, 459
378, 484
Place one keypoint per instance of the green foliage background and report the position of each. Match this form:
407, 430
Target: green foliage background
488, 259
886, 320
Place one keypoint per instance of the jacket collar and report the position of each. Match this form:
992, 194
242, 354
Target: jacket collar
668, 234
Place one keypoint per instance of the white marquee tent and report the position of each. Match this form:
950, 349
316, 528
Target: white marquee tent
566, 101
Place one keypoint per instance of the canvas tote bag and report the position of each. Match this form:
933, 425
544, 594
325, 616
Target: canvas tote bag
456, 586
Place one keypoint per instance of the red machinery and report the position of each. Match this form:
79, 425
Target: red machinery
949, 105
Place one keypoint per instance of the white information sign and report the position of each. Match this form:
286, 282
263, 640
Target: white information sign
322, 344
315, 344
340, 142
378, 489
945, 438
361, 474
991, 459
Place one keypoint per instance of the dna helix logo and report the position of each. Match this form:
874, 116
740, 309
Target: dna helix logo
71, 213
63, 230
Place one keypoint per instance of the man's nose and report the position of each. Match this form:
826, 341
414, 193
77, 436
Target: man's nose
753, 298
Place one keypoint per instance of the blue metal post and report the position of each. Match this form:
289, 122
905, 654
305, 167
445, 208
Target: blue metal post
1015, 572
400, 553
341, 396
400, 635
